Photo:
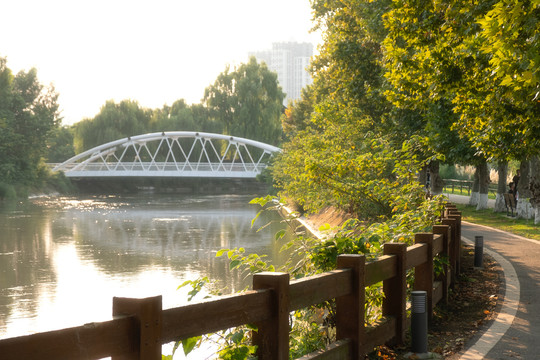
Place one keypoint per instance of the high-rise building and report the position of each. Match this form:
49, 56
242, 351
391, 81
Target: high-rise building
290, 61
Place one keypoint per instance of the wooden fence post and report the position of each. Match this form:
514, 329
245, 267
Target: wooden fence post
148, 318
445, 276
448, 208
350, 322
423, 274
457, 215
452, 223
272, 336
395, 290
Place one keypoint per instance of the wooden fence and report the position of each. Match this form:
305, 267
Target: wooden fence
140, 326
451, 185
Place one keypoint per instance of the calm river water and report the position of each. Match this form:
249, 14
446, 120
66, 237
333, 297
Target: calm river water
63, 259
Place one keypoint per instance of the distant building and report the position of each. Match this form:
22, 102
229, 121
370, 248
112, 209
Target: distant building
290, 61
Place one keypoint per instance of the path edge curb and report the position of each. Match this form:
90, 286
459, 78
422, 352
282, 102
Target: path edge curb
508, 310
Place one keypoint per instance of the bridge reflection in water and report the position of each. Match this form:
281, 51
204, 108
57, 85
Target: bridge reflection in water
61, 255
172, 154
187, 233
187, 237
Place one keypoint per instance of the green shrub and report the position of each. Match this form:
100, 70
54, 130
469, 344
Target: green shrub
59, 182
7, 191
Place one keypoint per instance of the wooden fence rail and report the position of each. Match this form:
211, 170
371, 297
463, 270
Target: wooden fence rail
140, 326
451, 185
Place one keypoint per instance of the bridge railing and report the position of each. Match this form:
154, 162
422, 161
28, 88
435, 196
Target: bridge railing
166, 166
165, 169
141, 326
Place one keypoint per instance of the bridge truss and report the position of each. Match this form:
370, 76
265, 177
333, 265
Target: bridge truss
172, 154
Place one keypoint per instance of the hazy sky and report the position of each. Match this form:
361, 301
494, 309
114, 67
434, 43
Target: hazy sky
152, 51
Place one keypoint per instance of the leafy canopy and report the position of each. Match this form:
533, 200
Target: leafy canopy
28, 113
248, 102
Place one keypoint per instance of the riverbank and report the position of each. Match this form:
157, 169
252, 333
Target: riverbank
328, 218
46, 184
170, 186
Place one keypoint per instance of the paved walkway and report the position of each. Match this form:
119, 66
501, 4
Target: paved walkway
460, 199
515, 333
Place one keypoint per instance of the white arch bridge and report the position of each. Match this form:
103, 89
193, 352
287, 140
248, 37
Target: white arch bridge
172, 154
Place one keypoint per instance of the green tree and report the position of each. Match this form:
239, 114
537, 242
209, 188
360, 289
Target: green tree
297, 115
201, 116
114, 121
430, 62
60, 145
247, 102
458, 52
220, 99
502, 116
177, 117
183, 117
347, 156
28, 112
509, 83
348, 76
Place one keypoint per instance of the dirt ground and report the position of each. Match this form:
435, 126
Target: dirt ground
472, 304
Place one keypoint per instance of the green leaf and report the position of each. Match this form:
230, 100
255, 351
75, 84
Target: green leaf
280, 234
221, 252
252, 327
262, 201
187, 282
189, 344
256, 201
234, 264
255, 218
325, 227
237, 337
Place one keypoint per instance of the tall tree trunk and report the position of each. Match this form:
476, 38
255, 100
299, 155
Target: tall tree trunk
473, 200
534, 186
422, 178
422, 175
502, 169
524, 209
483, 186
437, 183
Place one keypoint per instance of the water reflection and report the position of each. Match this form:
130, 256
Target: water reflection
62, 260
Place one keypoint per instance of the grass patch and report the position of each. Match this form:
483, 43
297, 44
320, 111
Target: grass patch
456, 191
522, 227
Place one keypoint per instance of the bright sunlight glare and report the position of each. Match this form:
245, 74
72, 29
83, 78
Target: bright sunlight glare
154, 52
